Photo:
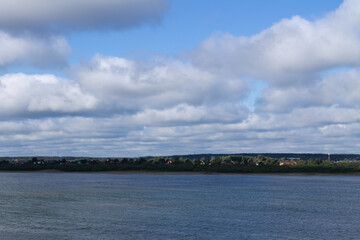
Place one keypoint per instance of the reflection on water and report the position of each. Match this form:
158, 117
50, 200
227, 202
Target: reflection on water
146, 206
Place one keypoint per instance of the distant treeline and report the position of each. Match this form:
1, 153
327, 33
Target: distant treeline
301, 156
212, 164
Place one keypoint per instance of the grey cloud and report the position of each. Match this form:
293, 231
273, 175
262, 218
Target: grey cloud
34, 51
22, 24
65, 15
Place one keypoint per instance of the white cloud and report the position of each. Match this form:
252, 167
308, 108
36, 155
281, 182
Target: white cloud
43, 15
299, 119
37, 95
134, 86
184, 114
290, 52
33, 51
339, 89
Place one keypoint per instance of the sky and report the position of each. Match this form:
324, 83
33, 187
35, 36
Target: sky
127, 78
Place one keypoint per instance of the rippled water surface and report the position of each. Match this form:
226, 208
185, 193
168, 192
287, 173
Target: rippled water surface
149, 206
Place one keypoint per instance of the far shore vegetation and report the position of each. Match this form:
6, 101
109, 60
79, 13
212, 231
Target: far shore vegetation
198, 164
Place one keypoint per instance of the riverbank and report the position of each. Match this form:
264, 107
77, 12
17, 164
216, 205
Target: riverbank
231, 164
123, 172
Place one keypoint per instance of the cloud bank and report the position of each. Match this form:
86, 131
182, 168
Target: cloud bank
308, 101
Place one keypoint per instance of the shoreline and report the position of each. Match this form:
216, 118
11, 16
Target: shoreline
56, 171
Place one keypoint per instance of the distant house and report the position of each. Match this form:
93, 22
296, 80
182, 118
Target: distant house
288, 163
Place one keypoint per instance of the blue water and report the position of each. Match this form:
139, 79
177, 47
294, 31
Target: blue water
147, 206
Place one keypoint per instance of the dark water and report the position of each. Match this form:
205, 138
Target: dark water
146, 206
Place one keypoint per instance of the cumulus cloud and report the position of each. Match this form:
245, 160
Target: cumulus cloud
338, 89
133, 86
43, 15
37, 95
33, 51
154, 92
292, 51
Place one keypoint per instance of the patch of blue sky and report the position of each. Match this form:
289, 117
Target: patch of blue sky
256, 86
59, 71
337, 70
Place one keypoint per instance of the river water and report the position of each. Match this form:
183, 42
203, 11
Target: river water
159, 206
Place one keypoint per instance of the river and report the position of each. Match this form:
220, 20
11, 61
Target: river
79, 206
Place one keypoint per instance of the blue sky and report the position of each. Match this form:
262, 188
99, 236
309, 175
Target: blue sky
159, 77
